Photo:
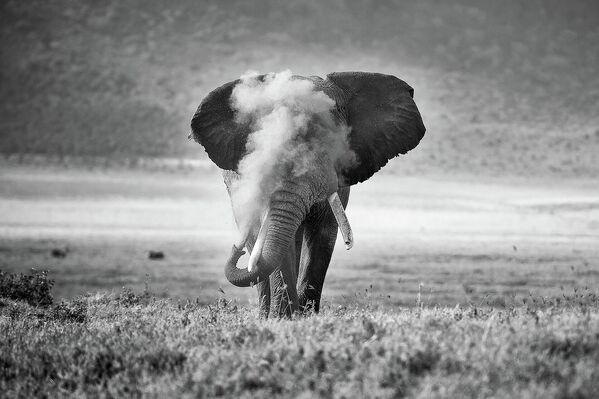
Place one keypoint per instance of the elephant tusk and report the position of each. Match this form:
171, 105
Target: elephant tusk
257, 250
344, 227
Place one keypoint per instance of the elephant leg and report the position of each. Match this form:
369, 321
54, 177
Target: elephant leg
284, 301
263, 287
283, 291
320, 234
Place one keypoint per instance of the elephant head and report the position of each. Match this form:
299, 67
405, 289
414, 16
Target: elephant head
375, 113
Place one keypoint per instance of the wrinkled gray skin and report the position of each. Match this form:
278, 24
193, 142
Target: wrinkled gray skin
302, 230
303, 264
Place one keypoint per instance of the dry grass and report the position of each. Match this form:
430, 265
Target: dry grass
135, 345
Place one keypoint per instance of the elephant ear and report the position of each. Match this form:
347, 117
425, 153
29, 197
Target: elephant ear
383, 119
215, 128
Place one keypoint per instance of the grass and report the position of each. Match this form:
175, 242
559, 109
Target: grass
516, 333
33, 288
136, 345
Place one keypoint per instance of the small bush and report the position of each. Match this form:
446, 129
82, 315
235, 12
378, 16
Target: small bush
127, 297
75, 311
33, 288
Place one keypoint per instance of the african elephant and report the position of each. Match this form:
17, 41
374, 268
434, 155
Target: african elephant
291, 243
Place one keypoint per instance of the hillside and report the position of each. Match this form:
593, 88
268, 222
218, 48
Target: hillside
506, 87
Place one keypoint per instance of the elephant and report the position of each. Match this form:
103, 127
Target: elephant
291, 244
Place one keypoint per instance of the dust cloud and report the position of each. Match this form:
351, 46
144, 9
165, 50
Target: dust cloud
292, 128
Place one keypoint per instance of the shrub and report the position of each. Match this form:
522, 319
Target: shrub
127, 297
74, 311
33, 288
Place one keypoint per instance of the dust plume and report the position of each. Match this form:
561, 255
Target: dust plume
292, 127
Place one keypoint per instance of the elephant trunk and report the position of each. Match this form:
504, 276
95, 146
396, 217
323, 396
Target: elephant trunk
287, 211
239, 277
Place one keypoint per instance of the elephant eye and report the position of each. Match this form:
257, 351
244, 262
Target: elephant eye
411, 92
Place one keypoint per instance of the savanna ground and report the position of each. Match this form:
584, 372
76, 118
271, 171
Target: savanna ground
455, 241
454, 288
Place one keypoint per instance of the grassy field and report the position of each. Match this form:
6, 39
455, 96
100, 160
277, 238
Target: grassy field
461, 287
137, 345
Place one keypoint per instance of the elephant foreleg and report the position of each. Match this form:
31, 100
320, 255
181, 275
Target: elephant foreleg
283, 291
263, 287
320, 234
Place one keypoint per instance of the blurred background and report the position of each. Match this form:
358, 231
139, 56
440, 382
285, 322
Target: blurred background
500, 197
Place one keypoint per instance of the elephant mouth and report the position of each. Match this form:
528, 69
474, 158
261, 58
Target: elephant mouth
256, 270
